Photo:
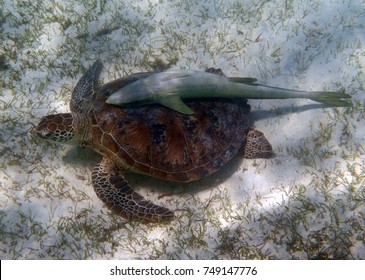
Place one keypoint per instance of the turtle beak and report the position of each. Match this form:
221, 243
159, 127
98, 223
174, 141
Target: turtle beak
31, 132
34, 133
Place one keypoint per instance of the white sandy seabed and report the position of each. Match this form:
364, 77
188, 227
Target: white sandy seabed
306, 202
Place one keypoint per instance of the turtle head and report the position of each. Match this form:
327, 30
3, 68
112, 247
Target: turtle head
58, 127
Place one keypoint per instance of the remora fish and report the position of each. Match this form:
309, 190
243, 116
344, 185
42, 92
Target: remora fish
169, 87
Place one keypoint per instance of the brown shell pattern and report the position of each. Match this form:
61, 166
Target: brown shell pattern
160, 142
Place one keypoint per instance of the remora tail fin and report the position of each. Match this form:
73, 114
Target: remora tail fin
332, 98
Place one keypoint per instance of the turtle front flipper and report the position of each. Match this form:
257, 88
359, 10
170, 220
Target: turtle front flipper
86, 89
113, 189
256, 145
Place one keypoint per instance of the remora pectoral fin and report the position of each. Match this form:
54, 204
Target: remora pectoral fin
175, 103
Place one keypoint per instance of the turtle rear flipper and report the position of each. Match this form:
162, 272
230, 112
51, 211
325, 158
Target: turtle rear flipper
113, 189
256, 145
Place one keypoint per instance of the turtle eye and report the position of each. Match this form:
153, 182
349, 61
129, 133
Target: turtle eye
45, 134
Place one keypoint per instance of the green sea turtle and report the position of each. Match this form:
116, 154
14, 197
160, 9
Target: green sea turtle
152, 140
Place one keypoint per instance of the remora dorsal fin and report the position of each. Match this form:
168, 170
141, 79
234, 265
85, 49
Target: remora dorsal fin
242, 80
